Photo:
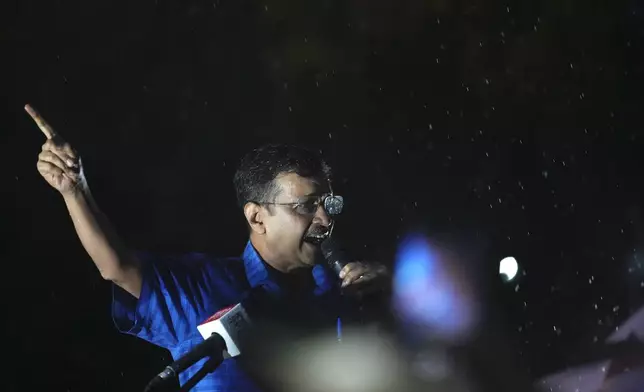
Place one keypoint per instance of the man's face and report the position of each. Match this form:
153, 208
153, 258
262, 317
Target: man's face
291, 228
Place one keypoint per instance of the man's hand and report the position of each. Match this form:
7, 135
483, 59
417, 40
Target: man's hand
58, 163
60, 166
364, 277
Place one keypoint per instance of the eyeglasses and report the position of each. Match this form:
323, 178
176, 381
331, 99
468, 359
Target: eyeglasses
331, 203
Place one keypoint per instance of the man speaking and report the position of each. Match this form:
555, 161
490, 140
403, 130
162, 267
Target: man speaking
285, 193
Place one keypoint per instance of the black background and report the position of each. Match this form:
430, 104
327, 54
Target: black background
512, 127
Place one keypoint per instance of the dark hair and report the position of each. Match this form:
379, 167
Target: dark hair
254, 178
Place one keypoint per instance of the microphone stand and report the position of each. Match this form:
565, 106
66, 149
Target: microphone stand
208, 367
211, 364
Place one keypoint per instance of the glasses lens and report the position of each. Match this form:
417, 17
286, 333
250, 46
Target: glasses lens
308, 208
333, 204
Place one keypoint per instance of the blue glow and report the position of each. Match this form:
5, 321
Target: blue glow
414, 261
426, 290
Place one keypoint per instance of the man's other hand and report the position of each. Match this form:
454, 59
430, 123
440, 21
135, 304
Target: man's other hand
58, 163
364, 277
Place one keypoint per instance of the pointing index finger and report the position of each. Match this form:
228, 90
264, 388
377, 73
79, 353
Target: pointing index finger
42, 124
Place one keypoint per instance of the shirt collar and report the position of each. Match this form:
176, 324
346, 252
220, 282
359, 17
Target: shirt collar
258, 274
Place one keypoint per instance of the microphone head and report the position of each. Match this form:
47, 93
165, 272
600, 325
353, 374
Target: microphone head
328, 246
333, 254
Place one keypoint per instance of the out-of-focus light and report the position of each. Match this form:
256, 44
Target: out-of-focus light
508, 268
363, 362
431, 292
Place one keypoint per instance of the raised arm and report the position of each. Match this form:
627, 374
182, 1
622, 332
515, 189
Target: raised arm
61, 167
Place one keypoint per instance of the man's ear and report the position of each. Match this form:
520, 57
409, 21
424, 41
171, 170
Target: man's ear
255, 215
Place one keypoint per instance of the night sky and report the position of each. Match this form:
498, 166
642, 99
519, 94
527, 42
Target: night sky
503, 128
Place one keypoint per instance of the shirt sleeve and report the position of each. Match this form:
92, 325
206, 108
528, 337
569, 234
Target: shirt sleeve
176, 295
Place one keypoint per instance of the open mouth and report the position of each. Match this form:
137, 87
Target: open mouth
316, 239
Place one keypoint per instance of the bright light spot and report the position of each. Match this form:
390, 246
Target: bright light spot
508, 268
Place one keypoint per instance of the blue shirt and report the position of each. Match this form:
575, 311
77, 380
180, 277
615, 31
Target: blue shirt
179, 294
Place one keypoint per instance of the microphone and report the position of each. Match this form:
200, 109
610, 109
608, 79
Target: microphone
335, 257
221, 333
229, 323
369, 298
214, 345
